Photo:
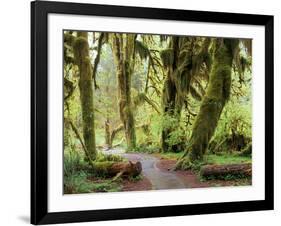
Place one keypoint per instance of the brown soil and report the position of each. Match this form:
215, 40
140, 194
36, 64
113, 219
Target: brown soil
141, 185
188, 177
192, 180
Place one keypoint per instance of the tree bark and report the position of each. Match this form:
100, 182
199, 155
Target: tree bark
97, 59
218, 92
123, 50
220, 171
82, 59
107, 133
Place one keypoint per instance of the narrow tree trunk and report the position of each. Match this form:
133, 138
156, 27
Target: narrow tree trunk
108, 141
217, 94
114, 133
81, 54
123, 49
107, 133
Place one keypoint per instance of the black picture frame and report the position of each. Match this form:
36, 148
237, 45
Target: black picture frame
39, 112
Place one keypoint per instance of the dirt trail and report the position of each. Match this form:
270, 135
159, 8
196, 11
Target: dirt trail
156, 172
158, 178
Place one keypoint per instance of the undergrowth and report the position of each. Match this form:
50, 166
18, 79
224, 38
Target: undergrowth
79, 178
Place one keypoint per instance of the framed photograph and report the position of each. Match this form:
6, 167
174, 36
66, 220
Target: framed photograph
144, 112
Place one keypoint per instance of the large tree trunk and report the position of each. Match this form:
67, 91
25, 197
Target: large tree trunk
123, 49
217, 94
82, 58
177, 60
169, 94
168, 102
182, 60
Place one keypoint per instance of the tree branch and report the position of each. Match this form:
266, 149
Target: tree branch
75, 130
97, 59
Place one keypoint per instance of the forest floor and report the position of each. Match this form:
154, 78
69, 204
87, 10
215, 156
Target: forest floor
156, 174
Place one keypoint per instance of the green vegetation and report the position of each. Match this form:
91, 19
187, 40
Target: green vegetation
238, 179
182, 98
170, 155
226, 159
81, 182
79, 177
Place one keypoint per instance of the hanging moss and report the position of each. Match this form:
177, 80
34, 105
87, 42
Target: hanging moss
168, 102
167, 57
248, 44
217, 94
68, 38
182, 60
123, 51
141, 49
195, 94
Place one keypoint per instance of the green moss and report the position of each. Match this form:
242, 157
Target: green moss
81, 55
170, 155
217, 94
182, 60
227, 158
141, 49
247, 151
80, 183
229, 177
123, 50
69, 39
81, 50
106, 186
86, 96
109, 158
167, 57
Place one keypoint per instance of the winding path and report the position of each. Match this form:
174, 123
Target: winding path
158, 178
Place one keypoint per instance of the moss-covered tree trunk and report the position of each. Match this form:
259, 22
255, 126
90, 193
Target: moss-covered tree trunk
107, 133
168, 102
218, 92
169, 58
107, 123
182, 60
82, 59
123, 49
177, 63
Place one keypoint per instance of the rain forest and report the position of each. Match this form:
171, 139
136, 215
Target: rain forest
149, 112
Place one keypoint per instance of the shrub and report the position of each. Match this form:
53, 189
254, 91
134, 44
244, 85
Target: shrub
76, 183
144, 148
73, 162
101, 157
177, 135
234, 130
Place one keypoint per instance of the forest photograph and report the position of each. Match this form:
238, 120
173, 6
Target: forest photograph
152, 111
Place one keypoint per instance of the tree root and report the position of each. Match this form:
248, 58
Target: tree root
186, 162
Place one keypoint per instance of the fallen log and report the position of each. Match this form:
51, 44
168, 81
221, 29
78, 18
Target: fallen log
122, 169
220, 171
